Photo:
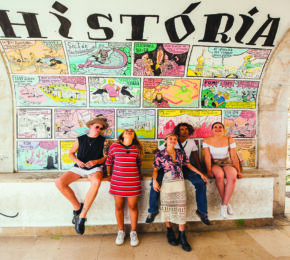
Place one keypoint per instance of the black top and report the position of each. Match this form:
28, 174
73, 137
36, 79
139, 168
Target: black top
90, 149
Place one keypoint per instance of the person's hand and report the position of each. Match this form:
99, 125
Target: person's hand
209, 174
90, 164
204, 178
239, 176
156, 186
156, 151
80, 164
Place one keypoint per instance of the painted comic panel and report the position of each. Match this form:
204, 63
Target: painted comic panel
99, 58
142, 121
148, 158
170, 92
156, 59
240, 123
229, 94
246, 150
37, 155
71, 123
119, 92
50, 91
201, 120
66, 163
35, 57
34, 123
225, 62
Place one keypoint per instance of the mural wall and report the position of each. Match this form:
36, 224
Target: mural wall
161, 87
149, 85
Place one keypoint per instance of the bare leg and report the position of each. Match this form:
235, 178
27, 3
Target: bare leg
63, 182
231, 175
95, 179
133, 210
168, 224
119, 211
219, 179
181, 227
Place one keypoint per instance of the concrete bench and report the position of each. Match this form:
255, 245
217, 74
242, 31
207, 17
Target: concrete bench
42, 209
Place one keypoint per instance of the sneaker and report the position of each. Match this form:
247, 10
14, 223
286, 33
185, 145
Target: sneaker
150, 218
134, 238
203, 217
120, 238
230, 209
224, 211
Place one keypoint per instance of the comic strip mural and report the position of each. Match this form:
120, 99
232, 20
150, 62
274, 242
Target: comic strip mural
148, 84
99, 58
35, 57
168, 92
123, 92
50, 91
152, 59
229, 94
224, 62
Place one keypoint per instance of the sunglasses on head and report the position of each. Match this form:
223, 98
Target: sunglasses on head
101, 128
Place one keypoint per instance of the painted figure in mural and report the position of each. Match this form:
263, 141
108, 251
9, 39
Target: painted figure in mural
125, 158
172, 191
198, 180
91, 152
222, 162
112, 89
159, 101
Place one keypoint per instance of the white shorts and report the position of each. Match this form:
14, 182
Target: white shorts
85, 173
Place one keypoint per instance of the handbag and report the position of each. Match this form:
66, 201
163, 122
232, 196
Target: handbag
240, 163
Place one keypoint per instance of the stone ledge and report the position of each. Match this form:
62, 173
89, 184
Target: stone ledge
195, 226
51, 176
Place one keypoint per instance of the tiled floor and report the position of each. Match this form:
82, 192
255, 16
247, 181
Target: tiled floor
252, 243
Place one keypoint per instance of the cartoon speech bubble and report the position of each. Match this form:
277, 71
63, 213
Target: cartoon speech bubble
144, 47
218, 52
176, 48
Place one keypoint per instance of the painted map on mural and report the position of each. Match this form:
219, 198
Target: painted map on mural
66, 163
155, 59
35, 57
224, 62
229, 94
201, 120
169, 92
119, 92
71, 123
148, 158
142, 121
32, 155
50, 91
240, 123
32, 123
99, 58
246, 150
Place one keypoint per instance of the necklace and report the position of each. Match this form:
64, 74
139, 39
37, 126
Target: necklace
127, 147
94, 140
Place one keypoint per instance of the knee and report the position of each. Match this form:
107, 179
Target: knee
133, 207
232, 179
96, 183
59, 184
119, 207
219, 177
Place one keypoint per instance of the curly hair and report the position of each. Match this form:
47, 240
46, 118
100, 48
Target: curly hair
135, 141
176, 129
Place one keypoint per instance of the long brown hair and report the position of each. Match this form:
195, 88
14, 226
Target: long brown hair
135, 141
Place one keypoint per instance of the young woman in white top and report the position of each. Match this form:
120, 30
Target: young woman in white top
222, 162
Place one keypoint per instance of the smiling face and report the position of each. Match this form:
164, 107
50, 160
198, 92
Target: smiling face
129, 133
218, 129
171, 141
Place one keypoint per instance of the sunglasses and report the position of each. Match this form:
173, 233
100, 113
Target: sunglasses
101, 128
130, 131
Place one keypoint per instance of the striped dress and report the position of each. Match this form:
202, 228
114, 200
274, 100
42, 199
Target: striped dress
125, 181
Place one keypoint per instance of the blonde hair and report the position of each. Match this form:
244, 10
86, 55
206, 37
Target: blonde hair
135, 141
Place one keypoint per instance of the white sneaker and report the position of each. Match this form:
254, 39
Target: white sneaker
230, 209
120, 238
224, 211
134, 238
